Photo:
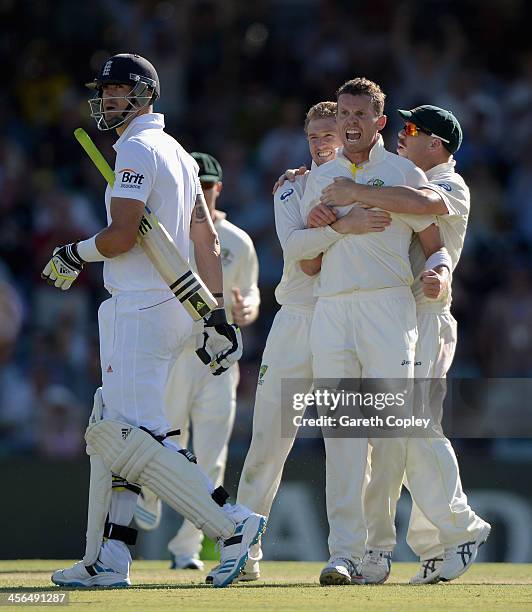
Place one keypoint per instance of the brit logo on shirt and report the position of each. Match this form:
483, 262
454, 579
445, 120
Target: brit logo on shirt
131, 178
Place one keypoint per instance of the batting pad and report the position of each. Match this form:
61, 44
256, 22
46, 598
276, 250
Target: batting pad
136, 456
99, 493
99, 501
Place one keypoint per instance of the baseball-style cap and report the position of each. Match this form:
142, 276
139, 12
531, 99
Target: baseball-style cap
210, 170
437, 121
127, 68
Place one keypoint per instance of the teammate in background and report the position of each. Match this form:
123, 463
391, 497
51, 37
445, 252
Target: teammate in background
195, 397
444, 532
364, 325
287, 351
142, 331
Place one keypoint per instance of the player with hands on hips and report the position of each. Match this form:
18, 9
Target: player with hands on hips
142, 329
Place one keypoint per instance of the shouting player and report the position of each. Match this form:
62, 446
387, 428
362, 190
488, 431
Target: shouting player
443, 530
364, 325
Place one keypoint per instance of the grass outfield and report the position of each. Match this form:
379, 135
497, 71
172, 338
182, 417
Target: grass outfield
284, 586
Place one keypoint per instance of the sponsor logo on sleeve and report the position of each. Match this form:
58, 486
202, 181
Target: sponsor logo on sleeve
286, 194
445, 186
131, 179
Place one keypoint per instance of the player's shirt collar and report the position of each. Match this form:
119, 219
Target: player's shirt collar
148, 121
376, 154
440, 168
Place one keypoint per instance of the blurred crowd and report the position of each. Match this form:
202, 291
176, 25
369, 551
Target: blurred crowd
236, 80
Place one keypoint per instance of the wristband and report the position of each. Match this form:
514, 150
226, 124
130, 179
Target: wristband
216, 317
439, 258
88, 251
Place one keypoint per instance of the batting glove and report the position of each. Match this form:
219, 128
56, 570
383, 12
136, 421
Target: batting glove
64, 267
220, 345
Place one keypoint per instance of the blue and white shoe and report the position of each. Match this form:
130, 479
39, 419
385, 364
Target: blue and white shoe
235, 550
376, 566
94, 575
148, 510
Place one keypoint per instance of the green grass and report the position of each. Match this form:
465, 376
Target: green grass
284, 586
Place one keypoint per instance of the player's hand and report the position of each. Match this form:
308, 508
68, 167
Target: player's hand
341, 192
320, 216
242, 310
64, 267
435, 285
361, 221
220, 345
289, 175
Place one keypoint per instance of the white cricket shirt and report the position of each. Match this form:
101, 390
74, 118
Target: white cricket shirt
151, 167
376, 260
452, 188
296, 287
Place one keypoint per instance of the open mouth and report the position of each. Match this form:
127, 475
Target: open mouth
353, 135
325, 153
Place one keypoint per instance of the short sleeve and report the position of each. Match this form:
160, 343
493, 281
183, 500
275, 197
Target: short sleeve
454, 195
135, 170
415, 178
418, 222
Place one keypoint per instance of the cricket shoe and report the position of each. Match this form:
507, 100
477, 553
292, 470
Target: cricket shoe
429, 572
235, 550
376, 566
185, 562
458, 559
341, 570
148, 510
250, 572
95, 575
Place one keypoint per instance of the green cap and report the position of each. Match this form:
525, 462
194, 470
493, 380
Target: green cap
210, 170
437, 121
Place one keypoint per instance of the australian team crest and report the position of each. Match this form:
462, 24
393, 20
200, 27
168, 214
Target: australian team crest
227, 256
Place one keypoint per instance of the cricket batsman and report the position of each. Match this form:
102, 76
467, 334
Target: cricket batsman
143, 329
195, 397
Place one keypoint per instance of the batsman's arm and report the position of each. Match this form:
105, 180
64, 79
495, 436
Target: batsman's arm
396, 199
121, 235
206, 248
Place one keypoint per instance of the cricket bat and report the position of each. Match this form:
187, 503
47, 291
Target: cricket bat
160, 247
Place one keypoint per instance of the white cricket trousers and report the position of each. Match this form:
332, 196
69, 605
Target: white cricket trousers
141, 335
365, 334
286, 355
195, 397
441, 516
